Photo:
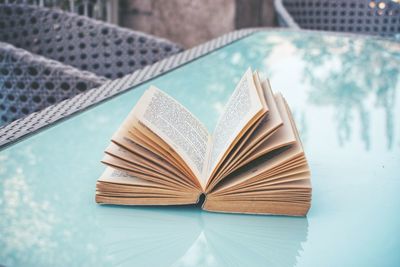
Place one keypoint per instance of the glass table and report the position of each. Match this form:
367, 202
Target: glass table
344, 92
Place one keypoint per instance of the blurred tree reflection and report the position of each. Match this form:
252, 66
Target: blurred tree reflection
355, 72
348, 73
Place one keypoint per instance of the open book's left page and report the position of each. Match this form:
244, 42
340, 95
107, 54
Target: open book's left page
154, 156
177, 127
120, 188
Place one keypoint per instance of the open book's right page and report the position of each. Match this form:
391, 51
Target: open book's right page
244, 107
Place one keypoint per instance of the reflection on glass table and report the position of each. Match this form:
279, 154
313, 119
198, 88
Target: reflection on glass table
189, 238
344, 92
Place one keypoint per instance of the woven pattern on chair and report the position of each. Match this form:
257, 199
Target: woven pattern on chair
30, 82
359, 16
84, 43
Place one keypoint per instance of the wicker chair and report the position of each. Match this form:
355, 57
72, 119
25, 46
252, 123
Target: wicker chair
85, 54
84, 43
30, 82
358, 16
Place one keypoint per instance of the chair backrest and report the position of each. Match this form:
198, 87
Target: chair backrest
30, 82
359, 16
84, 43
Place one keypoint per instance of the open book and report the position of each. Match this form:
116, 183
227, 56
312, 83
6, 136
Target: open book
253, 162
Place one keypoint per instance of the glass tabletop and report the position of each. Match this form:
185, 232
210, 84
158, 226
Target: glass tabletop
344, 92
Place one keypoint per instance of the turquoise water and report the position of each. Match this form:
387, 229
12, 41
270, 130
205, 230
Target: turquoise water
344, 93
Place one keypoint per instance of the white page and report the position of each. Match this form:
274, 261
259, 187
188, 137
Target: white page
176, 126
242, 107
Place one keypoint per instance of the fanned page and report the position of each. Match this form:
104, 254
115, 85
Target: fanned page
120, 188
274, 179
174, 124
255, 138
243, 109
155, 152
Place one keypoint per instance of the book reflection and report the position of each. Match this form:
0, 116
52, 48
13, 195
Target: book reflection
187, 236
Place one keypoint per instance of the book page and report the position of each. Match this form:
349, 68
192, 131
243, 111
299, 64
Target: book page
270, 134
174, 124
242, 109
111, 175
264, 126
